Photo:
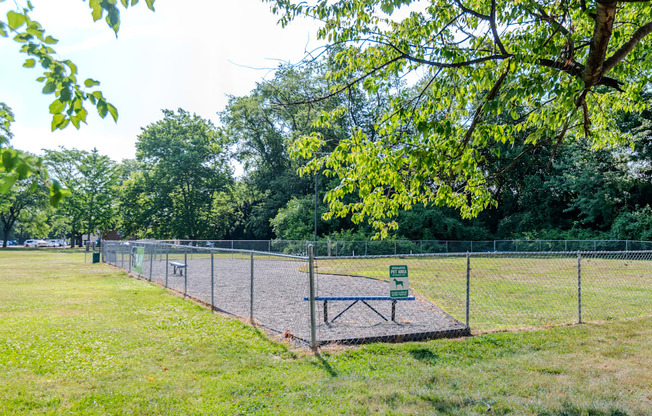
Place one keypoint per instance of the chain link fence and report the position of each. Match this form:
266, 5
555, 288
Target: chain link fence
318, 299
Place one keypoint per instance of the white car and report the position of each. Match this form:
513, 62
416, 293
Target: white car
36, 243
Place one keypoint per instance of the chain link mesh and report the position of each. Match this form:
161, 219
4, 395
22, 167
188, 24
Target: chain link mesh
449, 294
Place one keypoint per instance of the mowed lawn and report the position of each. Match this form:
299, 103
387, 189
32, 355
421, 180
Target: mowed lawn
508, 292
86, 339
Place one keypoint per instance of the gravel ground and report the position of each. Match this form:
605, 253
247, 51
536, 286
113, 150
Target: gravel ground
280, 286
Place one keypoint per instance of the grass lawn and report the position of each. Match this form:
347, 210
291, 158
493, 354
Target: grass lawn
86, 339
515, 292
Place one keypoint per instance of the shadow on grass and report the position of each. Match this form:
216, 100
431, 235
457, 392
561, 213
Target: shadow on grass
323, 363
425, 355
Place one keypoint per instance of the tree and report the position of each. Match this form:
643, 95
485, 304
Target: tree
561, 70
185, 167
23, 200
92, 180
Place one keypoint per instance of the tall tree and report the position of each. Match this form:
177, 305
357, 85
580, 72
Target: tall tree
92, 180
185, 166
561, 69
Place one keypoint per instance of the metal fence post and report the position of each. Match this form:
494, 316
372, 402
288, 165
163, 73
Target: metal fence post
185, 276
251, 290
131, 255
468, 288
212, 281
151, 261
167, 254
311, 281
579, 288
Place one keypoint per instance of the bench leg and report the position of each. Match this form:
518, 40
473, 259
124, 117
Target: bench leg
340, 314
393, 311
326, 311
371, 307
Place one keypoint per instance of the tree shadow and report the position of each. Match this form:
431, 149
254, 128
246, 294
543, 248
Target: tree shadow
425, 355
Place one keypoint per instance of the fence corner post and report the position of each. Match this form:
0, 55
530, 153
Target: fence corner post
212, 282
251, 294
579, 287
311, 281
468, 288
185, 275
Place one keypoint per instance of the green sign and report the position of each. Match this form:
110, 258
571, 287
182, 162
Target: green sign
398, 282
398, 271
138, 260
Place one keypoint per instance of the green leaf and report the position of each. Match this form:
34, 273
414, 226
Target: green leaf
56, 107
50, 40
91, 83
72, 66
150, 4
29, 63
57, 120
7, 182
113, 111
49, 88
75, 121
15, 20
113, 19
97, 9
8, 160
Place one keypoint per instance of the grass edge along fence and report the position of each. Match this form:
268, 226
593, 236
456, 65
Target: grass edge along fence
482, 291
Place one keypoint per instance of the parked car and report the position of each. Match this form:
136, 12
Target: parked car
36, 243
53, 242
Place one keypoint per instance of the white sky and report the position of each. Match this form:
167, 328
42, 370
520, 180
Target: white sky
188, 54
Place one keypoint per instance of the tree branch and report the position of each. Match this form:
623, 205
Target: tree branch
627, 47
480, 110
492, 22
471, 12
594, 68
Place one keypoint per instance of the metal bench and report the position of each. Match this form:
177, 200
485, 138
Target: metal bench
179, 266
356, 299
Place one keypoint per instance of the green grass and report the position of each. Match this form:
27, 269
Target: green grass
86, 339
516, 292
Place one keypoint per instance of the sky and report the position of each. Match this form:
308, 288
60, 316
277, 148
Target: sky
189, 54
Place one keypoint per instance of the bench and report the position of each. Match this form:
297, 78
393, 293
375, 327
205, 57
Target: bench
356, 299
179, 266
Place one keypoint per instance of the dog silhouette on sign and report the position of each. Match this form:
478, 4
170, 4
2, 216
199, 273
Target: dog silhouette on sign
397, 283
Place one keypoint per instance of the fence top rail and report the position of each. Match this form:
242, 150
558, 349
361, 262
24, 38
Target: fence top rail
322, 241
223, 250
491, 254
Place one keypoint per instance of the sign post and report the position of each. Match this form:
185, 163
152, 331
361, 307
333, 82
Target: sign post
398, 281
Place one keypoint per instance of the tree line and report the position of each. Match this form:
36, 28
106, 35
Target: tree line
182, 183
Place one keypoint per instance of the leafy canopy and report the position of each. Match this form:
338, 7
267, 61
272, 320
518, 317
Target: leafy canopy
559, 69
59, 78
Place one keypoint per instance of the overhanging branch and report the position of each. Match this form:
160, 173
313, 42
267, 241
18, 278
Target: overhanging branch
627, 47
